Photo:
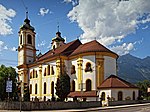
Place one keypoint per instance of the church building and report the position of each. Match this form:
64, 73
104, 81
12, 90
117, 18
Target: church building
87, 65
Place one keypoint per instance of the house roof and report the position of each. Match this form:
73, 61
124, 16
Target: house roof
115, 82
83, 94
92, 46
63, 50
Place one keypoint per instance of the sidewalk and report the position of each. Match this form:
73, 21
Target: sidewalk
81, 110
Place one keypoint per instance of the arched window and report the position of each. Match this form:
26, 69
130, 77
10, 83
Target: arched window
120, 96
103, 96
133, 95
31, 75
48, 70
35, 88
73, 86
30, 88
88, 85
29, 39
45, 72
52, 88
44, 87
52, 70
33, 72
88, 67
36, 75
73, 71
20, 39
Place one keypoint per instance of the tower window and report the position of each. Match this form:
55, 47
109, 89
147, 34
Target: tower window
29, 39
88, 67
44, 87
52, 70
21, 39
35, 88
88, 85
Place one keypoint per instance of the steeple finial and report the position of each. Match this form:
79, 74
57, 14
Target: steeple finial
26, 13
58, 26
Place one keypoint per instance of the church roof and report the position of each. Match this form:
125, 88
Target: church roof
92, 46
115, 82
64, 50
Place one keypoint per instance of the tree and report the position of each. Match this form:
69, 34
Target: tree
143, 85
6, 72
63, 86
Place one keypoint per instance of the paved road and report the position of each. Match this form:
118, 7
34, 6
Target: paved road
124, 108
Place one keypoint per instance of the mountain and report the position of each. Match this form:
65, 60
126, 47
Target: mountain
133, 69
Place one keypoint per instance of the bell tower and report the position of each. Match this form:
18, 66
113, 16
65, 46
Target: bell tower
26, 49
58, 40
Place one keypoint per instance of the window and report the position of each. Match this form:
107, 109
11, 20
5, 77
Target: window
30, 88
36, 75
120, 94
88, 67
29, 39
73, 71
52, 70
52, 88
21, 39
35, 88
103, 96
88, 85
73, 86
48, 70
133, 95
31, 75
45, 72
44, 87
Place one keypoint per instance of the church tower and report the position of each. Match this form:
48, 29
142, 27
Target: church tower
58, 40
26, 49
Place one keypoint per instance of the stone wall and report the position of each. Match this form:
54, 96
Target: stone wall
47, 105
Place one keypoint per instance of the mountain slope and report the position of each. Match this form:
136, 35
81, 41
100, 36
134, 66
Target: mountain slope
133, 69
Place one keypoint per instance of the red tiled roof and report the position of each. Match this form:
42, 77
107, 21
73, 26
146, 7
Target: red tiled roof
92, 46
63, 50
115, 82
83, 94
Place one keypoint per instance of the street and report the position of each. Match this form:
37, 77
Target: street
123, 108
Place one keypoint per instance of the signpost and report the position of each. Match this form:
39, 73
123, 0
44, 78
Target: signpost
8, 87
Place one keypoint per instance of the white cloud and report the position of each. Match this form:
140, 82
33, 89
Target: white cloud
44, 11
6, 16
110, 21
13, 49
74, 2
123, 49
42, 43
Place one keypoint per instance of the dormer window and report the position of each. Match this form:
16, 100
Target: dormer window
29, 39
88, 67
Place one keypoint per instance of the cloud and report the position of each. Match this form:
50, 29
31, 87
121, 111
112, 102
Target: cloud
109, 21
74, 2
44, 11
13, 49
42, 43
6, 16
123, 49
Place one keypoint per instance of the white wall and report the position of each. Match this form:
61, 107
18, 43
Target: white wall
114, 93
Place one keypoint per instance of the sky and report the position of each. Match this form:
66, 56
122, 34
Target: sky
121, 25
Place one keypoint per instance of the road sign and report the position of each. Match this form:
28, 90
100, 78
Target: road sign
9, 86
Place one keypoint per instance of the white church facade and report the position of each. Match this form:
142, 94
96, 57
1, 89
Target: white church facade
87, 65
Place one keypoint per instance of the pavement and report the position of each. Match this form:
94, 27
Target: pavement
82, 110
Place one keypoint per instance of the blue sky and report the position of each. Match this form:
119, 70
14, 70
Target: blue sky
123, 26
